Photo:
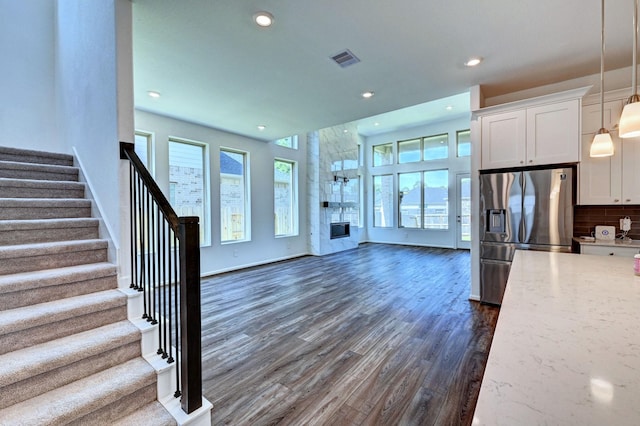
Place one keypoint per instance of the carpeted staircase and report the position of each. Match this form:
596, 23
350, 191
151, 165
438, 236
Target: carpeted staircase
68, 353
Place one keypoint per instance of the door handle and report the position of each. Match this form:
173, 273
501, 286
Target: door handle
459, 219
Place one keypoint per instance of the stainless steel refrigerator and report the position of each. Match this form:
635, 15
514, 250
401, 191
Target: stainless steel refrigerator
525, 209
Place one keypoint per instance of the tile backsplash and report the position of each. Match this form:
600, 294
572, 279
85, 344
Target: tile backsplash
586, 218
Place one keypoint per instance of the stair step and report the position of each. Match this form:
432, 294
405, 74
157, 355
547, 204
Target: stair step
32, 325
30, 288
43, 208
37, 257
153, 414
29, 156
29, 188
47, 230
100, 398
16, 170
33, 371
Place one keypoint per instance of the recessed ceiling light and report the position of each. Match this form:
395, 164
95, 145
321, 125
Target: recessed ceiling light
376, 124
448, 107
345, 131
263, 19
367, 95
261, 127
153, 94
472, 62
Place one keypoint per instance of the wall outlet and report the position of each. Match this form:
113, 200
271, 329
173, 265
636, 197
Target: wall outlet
625, 224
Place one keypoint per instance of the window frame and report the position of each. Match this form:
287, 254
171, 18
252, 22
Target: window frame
295, 205
373, 155
246, 225
458, 132
292, 145
205, 223
373, 183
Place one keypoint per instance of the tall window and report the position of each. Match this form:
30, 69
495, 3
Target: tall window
410, 200
187, 190
383, 155
383, 201
463, 142
436, 199
233, 196
284, 198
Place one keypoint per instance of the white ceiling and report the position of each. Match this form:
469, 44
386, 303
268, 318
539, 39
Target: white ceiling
214, 66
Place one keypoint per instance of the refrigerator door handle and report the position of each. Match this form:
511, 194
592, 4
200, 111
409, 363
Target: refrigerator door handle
524, 238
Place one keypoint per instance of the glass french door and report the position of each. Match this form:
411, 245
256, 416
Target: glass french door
463, 211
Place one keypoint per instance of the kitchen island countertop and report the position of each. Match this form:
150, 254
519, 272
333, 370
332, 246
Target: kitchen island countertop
566, 350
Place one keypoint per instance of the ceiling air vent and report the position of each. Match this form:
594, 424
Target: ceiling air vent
345, 58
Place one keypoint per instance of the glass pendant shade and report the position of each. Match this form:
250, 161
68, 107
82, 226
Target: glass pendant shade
602, 145
630, 119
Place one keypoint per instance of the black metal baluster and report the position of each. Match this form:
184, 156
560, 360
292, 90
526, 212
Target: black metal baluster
170, 283
149, 288
137, 225
157, 291
165, 288
142, 202
177, 312
152, 266
132, 228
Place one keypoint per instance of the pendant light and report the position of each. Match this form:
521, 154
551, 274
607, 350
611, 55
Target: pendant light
602, 145
630, 119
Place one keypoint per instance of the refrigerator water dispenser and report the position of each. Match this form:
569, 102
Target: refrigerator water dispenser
496, 219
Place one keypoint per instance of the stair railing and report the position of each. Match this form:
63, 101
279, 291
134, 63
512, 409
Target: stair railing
165, 267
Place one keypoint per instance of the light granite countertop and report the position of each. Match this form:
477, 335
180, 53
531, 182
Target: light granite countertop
566, 350
609, 243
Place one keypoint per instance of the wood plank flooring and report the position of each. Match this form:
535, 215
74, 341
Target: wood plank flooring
378, 335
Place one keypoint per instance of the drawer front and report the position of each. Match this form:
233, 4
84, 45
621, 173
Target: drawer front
609, 251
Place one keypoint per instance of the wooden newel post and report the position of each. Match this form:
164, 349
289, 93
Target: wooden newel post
190, 321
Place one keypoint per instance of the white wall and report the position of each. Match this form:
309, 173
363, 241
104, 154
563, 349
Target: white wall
424, 237
27, 82
87, 96
264, 246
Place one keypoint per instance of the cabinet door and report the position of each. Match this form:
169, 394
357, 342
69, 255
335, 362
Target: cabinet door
503, 140
631, 171
591, 117
553, 133
600, 177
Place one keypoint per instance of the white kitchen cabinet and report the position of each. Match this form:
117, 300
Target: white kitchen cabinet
553, 133
533, 136
600, 177
608, 180
631, 171
504, 140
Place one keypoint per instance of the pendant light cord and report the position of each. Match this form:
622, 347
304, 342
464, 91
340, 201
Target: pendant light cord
602, 64
635, 48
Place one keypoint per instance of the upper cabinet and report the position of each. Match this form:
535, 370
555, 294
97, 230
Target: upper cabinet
532, 136
608, 180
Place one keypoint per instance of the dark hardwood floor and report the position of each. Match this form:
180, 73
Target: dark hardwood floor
378, 335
